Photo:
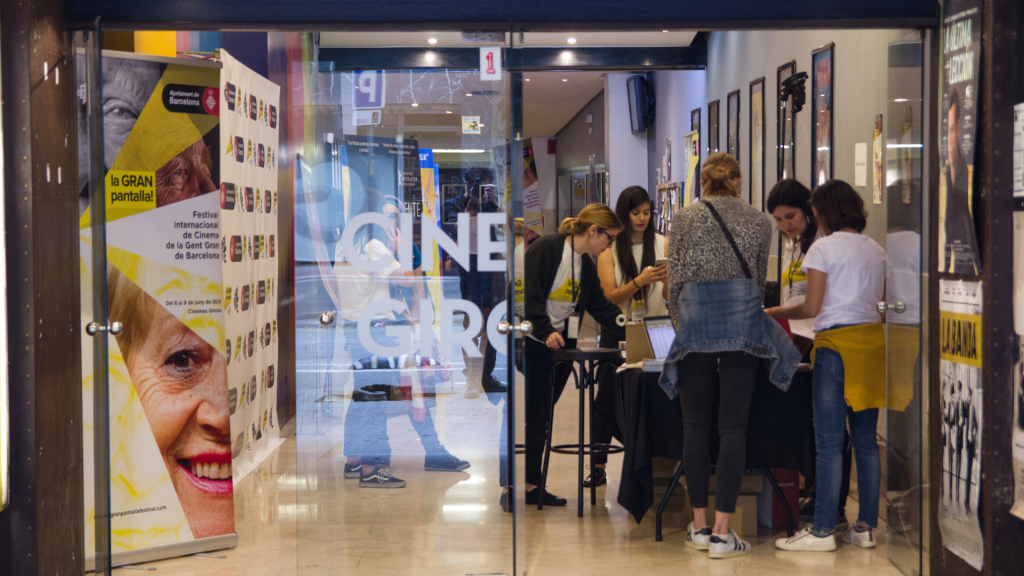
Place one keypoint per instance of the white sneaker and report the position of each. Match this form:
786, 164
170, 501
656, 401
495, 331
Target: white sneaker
720, 547
863, 539
697, 539
804, 541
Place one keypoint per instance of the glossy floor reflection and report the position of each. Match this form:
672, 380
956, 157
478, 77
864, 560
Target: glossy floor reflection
297, 515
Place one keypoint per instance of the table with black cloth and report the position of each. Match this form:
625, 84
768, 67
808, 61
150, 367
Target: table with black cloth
780, 431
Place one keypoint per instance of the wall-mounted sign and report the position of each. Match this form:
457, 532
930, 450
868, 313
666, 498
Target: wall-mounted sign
368, 89
470, 124
490, 63
366, 117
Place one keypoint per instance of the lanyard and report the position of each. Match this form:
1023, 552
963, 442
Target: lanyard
574, 289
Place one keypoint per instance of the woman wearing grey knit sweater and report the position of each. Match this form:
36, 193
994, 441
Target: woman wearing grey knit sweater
715, 294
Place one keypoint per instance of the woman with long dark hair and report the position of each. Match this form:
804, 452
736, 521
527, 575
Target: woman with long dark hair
631, 280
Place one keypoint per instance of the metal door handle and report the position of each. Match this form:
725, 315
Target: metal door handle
327, 318
898, 307
504, 327
94, 328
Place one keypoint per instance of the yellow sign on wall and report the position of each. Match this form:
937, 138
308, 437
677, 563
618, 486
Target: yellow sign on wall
960, 338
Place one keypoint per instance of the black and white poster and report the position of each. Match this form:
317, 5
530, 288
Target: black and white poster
960, 370
961, 54
1018, 432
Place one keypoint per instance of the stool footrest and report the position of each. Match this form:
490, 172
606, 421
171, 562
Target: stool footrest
587, 449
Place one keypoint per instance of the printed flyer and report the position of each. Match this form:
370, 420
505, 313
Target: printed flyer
170, 466
962, 416
961, 54
248, 250
533, 217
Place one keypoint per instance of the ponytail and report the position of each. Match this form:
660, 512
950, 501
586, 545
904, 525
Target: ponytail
599, 215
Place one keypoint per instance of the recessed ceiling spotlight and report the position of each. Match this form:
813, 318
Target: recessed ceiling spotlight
571, 40
447, 111
431, 40
469, 94
565, 79
430, 57
664, 31
527, 79
415, 105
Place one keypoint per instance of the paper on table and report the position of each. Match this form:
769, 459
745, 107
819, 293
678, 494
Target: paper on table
860, 160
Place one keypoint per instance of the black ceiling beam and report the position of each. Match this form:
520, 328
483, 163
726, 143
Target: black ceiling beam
530, 15
614, 58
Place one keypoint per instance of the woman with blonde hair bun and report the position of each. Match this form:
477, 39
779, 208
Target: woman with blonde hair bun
717, 263
561, 283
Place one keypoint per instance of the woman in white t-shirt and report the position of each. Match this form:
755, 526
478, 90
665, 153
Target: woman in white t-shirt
789, 202
845, 281
631, 279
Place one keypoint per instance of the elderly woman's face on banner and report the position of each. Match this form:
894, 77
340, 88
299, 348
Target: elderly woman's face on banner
181, 381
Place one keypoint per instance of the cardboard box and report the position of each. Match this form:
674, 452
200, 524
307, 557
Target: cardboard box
744, 521
770, 512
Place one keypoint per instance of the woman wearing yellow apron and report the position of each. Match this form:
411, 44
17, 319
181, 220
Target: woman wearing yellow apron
845, 280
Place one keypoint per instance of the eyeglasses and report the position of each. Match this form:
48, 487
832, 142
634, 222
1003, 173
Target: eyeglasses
611, 238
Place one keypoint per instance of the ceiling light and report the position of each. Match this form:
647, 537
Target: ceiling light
414, 105
458, 151
527, 79
663, 31
468, 94
431, 40
447, 111
565, 79
571, 40
430, 57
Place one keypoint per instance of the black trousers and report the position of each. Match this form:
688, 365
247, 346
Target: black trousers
539, 385
701, 373
605, 421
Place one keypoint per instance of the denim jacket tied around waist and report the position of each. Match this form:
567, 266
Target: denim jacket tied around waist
726, 316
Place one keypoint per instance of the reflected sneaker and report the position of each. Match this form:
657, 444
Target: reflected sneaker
444, 462
863, 539
380, 477
353, 471
805, 541
697, 539
491, 384
507, 504
727, 547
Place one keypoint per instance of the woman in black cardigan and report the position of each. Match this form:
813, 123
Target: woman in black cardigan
561, 284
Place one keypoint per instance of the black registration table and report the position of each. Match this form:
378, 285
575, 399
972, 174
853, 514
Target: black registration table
780, 431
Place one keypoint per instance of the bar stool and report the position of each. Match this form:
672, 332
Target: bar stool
589, 360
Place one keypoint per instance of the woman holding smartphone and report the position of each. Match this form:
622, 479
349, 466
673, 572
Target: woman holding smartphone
632, 278
561, 283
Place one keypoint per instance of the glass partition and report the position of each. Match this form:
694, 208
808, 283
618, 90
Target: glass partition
402, 375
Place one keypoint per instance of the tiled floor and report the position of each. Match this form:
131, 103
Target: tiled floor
296, 515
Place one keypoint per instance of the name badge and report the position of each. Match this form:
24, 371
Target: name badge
573, 327
637, 310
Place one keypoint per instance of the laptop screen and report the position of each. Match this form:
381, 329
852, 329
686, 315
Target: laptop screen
661, 334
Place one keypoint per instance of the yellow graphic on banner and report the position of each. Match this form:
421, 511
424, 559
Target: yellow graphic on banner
130, 192
960, 338
192, 299
564, 292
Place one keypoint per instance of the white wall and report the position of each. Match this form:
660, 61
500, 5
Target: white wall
625, 152
546, 180
677, 93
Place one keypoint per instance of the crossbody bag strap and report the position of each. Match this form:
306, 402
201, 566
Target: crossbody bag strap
728, 236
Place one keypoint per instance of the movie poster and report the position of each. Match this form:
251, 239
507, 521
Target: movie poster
170, 466
757, 144
1018, 432
960, 368
821, 100
961, 55
533, 217
877, 182
249, 254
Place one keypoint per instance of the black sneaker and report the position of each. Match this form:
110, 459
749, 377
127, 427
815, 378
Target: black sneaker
549, 498
444, 462
380, 477
507, 504
353, 471
807, 510
597, 474
492, 384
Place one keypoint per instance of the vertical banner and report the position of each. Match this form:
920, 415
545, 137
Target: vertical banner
533, 217
960, 366
170, 446
961, 55
248, 213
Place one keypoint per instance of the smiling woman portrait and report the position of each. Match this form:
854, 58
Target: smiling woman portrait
181, 382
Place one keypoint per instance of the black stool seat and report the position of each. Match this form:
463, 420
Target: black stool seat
585, 354
588, 360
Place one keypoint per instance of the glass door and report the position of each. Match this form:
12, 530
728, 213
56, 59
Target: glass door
403, 210
897, 159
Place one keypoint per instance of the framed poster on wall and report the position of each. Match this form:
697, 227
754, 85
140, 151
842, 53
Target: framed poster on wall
713, 126
732, 124
821, 112
784, 133
756, 171
695, 126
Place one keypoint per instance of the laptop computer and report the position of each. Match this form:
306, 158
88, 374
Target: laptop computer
649, 340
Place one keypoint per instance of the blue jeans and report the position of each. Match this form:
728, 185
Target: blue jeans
830, 416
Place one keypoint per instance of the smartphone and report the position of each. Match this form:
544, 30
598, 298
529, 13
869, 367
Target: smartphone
661, 262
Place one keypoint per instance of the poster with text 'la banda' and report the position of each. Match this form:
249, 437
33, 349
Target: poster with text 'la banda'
960, 366
248, 214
